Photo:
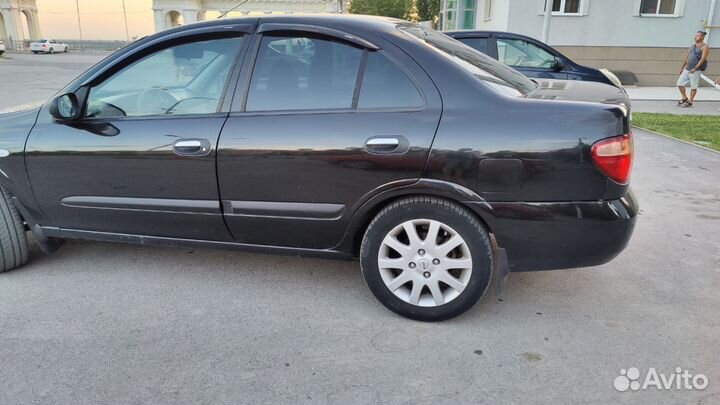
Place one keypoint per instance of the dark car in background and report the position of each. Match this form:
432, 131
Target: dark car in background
531, 57
333, 136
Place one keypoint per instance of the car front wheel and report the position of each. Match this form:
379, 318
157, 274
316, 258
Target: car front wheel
426, 258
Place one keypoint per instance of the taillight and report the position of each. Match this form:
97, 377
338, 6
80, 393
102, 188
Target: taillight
614, 157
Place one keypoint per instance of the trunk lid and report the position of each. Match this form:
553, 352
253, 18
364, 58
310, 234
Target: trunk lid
573, 90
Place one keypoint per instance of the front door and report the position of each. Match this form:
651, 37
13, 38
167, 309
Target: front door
326, 123
528, 58
142, 160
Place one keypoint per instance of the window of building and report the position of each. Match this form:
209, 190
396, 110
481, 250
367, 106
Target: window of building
451, 15
468, 21
487, 15
459, 14
565, 6
658, 7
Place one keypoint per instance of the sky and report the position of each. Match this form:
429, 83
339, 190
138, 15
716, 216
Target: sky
101, 19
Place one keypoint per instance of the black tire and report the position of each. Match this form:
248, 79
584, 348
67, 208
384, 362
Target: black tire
66, 49
451, 214
52, 51
13, 238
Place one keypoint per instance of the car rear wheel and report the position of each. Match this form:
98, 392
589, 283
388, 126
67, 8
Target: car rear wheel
426, 258
13, 239
66, 49
52, 51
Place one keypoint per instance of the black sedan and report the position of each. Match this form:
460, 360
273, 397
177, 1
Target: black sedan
531, 57
329, 136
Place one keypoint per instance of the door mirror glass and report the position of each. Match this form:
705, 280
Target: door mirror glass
65, 107
558, 65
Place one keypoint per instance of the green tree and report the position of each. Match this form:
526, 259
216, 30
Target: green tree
428, 10
388, 8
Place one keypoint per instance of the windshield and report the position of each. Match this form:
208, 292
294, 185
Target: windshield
498, 76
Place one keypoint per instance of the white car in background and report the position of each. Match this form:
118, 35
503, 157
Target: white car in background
48, 46
2, 47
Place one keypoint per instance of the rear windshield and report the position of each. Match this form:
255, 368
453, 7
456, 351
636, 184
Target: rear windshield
500, 77
41, 41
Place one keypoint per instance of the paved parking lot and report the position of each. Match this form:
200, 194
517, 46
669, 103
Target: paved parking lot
99, 323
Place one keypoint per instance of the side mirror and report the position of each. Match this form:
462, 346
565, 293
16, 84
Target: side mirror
65, 107
558, 65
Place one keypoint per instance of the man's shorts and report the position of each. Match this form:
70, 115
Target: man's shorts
691, 79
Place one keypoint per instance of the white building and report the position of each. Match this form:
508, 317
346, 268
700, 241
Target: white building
647, 37
171, 13
12, 14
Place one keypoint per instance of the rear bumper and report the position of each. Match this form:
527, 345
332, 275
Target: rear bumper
560, 235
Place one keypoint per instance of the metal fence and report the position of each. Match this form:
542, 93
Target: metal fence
74, 45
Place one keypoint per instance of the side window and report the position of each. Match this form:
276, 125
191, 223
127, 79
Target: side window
303, 73
479, 44
184, 79
385, 85
515, 52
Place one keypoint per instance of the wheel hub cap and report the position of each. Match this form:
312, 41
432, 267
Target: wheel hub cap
425, 262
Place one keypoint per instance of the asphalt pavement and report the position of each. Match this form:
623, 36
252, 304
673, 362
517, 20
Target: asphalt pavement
99, 323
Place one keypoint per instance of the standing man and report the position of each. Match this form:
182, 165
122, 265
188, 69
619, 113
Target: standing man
695, 63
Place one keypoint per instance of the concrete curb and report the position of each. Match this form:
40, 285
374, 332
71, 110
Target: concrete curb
676, 139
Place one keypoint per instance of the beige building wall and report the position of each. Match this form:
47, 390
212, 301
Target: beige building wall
652, 66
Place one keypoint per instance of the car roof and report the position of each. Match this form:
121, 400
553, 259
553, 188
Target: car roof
374, 23
470, 34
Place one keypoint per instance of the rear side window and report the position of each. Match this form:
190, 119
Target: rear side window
479, 44
303, 73
385, 85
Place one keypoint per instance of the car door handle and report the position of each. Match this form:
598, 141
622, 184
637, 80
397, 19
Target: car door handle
386, 144
191, 147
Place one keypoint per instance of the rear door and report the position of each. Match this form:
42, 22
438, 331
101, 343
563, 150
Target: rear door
324, 121
528, 58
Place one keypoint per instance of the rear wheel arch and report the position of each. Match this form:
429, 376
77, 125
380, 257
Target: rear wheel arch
370, 209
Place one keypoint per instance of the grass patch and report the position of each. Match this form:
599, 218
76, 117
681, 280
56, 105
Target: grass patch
703, 130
